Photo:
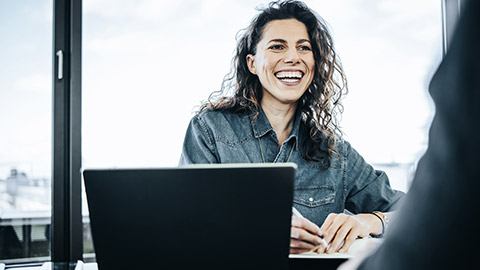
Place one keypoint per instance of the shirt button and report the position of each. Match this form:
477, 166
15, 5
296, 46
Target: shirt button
310, 199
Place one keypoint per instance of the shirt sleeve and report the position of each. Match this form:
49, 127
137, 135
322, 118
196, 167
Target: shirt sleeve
367, 189
198, 145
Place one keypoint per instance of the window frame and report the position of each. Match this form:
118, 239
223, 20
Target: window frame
67, 226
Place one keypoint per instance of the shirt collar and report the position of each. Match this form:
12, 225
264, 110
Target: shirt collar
261, 125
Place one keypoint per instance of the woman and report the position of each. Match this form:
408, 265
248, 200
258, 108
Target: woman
286, 97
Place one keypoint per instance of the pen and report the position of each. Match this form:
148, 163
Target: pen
296, 213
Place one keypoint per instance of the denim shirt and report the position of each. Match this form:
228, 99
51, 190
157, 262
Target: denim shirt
349, 183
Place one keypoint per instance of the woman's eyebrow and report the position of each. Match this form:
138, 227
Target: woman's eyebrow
303, 40
279, 40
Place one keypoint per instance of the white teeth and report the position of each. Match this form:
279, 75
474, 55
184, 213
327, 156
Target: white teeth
290, 80
288, 76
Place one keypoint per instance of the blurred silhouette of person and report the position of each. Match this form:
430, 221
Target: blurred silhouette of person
437, 226
12, 187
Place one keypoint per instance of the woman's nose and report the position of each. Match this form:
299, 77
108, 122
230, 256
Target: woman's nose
291, 56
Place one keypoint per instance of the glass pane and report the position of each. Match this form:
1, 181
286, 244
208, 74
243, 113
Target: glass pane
389, 50
148, 64
25, 129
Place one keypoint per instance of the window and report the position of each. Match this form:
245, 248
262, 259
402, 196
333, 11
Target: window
25, 129
389, 50
40, 131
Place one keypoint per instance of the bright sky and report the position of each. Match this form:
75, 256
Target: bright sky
147, 65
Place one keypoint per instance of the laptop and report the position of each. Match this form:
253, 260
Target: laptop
235, 216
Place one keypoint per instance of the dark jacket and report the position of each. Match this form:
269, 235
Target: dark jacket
438, 225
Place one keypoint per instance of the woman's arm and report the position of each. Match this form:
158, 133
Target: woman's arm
367, 194
198, 145
366, 189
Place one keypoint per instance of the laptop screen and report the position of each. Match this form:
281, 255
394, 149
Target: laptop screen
214, 216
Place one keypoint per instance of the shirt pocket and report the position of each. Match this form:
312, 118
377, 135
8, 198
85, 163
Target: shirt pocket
314, 196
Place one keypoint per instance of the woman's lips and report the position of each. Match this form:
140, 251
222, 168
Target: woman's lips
289, 77
290, 82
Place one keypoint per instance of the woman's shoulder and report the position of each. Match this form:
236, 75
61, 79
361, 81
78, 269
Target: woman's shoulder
342, 146
229, 127
345, 149
209, 113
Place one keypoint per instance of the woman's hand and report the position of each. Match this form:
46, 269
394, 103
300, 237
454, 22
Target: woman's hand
341, 230
304, 235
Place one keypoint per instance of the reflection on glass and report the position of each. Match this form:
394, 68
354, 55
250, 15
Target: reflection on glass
25, 128
148, 64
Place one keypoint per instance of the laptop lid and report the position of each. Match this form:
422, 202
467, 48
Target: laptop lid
235, 216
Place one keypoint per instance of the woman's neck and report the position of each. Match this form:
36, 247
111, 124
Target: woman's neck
281, 118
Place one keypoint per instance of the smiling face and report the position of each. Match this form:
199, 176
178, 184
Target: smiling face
283, 62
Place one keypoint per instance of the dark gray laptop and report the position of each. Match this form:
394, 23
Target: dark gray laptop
207, 216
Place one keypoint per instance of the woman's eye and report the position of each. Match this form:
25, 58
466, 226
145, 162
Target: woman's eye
276, 47
305, 48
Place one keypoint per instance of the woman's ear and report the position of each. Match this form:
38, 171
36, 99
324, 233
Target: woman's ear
251, 63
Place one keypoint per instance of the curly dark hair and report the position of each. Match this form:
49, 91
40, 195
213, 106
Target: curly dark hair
320, 104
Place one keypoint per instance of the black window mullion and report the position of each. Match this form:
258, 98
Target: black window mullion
66, 242
76, 128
